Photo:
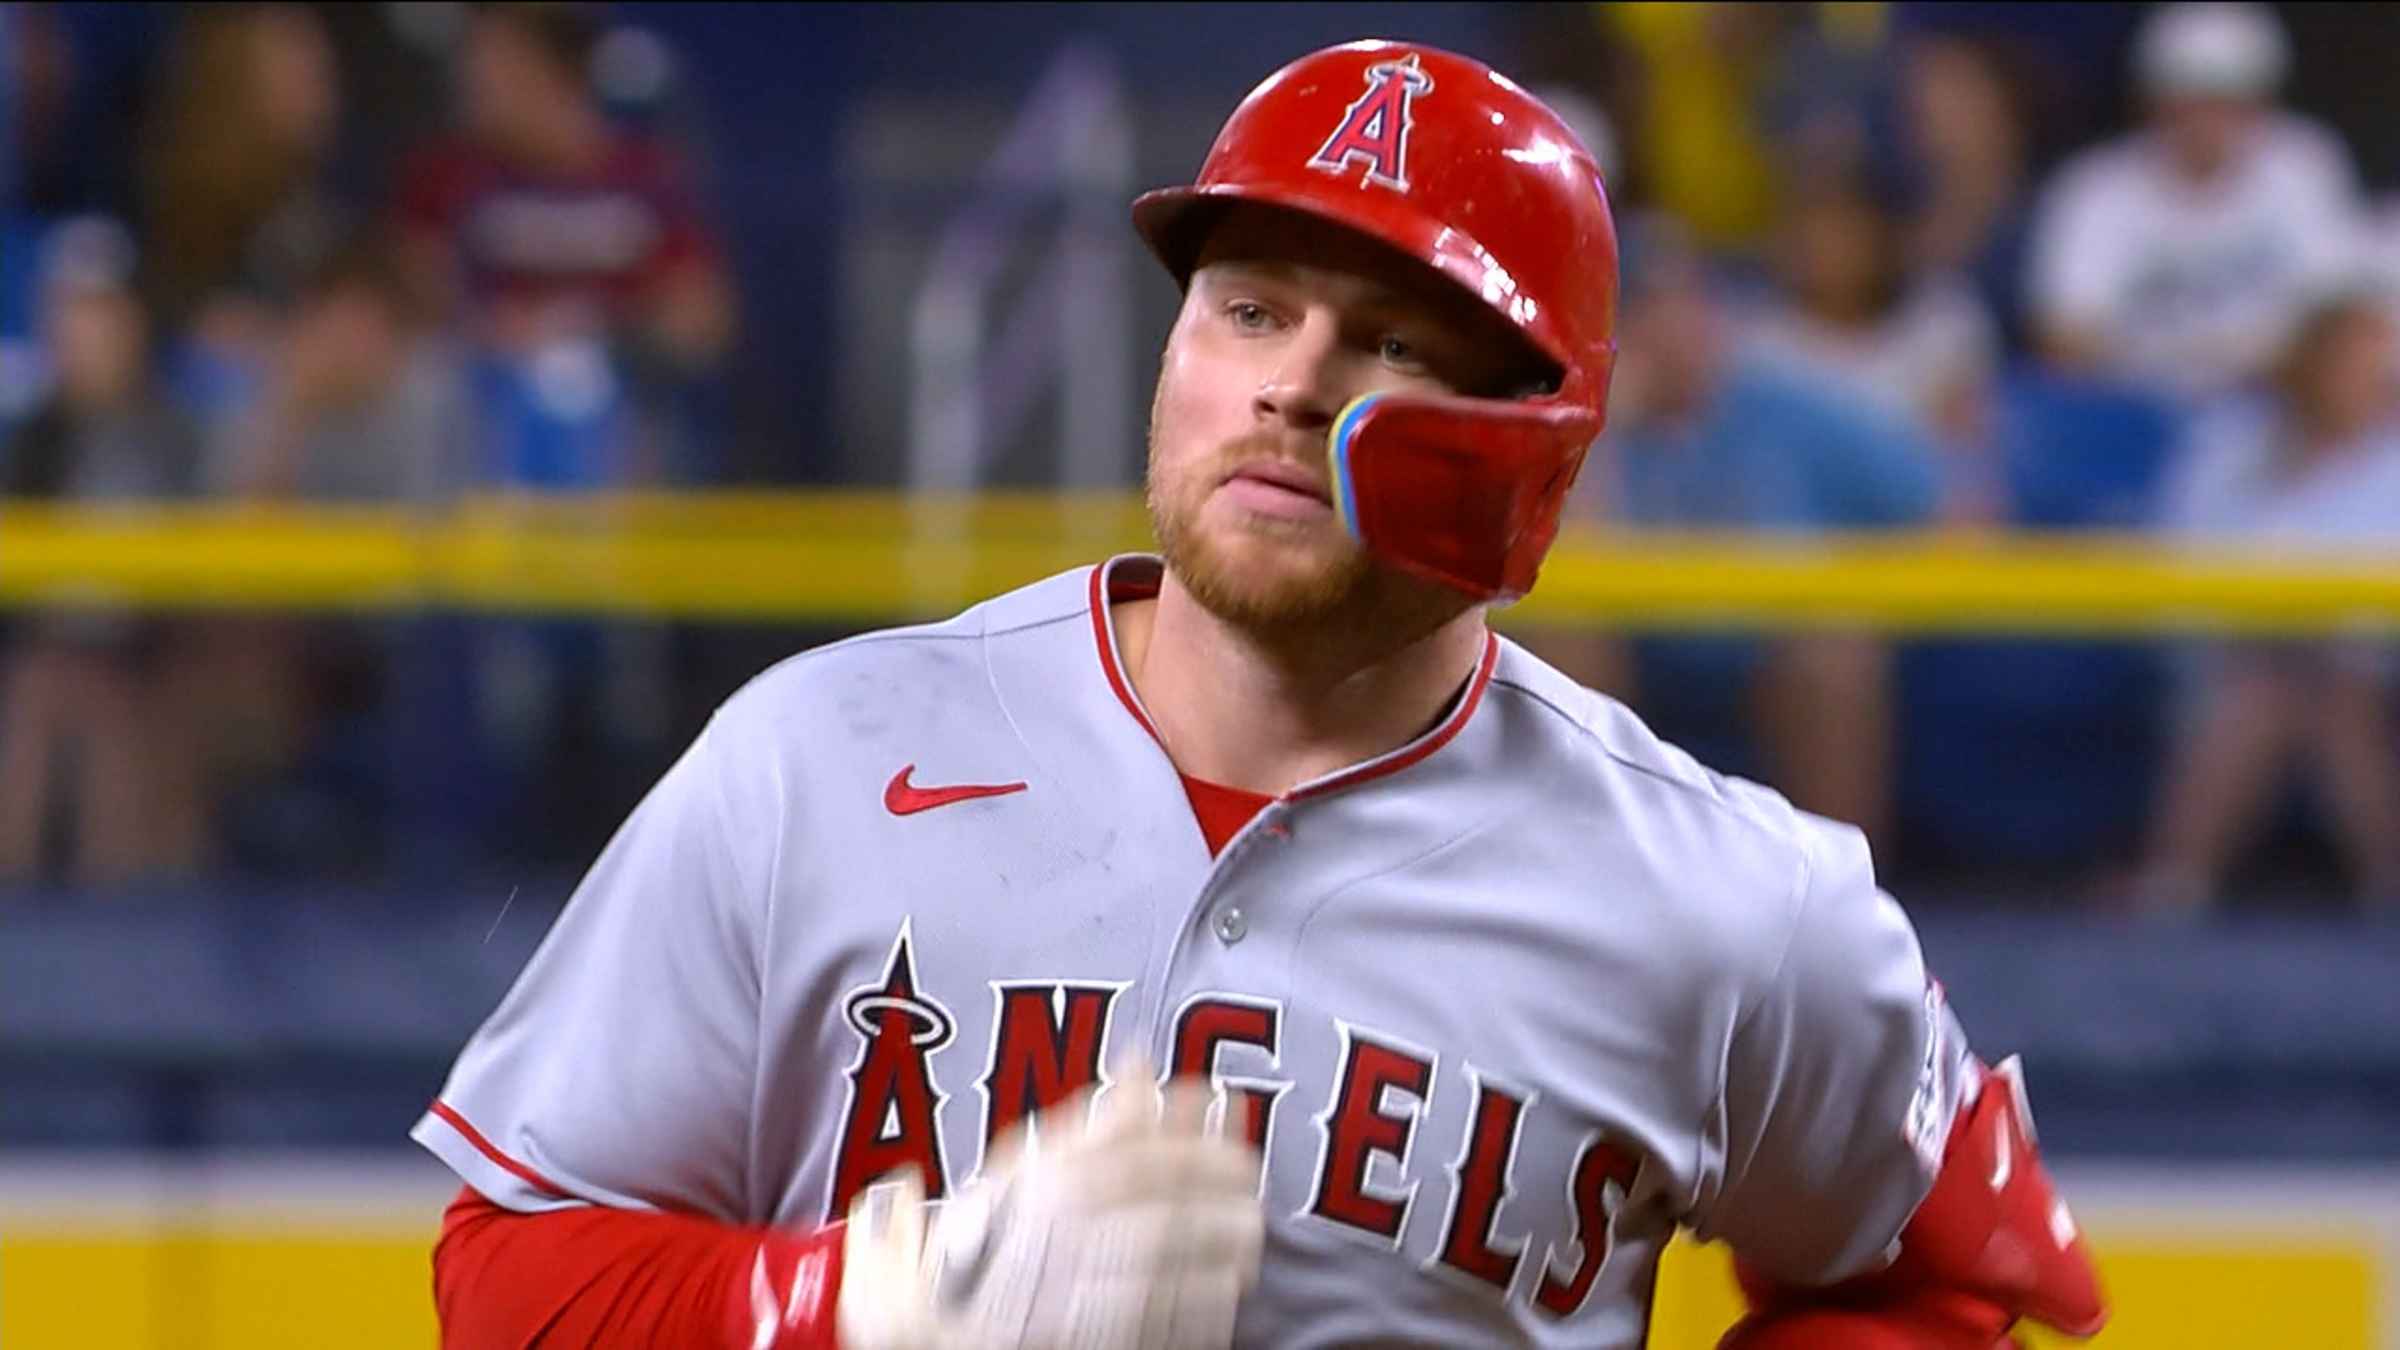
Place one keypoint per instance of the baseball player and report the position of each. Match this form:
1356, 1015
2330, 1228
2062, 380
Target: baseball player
1245, 944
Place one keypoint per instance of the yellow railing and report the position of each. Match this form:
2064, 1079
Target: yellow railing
281, 1284
855, 557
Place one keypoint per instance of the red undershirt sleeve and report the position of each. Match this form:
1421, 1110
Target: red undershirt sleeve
593, 1278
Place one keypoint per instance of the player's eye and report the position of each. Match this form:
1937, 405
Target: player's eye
1399, 351
1249, 316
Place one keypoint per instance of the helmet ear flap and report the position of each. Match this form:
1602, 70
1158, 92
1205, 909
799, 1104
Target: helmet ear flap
1466, 492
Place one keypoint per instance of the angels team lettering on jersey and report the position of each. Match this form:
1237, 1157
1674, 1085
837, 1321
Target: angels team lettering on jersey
1502, 1008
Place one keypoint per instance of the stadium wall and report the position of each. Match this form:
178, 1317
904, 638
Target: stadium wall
282, 1252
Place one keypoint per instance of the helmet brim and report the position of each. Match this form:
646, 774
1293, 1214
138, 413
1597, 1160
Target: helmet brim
1176, 222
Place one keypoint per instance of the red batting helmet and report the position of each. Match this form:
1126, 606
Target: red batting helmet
1455, 165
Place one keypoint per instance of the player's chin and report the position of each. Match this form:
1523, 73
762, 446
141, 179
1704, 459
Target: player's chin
1268, 584
1275, 551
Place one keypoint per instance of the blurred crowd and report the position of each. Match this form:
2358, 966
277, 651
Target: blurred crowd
1874, 278
1862, 292
225, 279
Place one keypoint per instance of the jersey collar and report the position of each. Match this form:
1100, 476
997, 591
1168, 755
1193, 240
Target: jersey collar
1137, 576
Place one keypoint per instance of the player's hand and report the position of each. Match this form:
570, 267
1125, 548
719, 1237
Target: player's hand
1132, 1225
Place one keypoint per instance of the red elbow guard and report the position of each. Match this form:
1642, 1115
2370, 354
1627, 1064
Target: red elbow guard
1991, 1243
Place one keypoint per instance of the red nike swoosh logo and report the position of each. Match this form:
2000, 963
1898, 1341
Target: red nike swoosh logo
902, 798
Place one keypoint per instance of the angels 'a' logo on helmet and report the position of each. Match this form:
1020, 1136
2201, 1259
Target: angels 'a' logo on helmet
1374, 130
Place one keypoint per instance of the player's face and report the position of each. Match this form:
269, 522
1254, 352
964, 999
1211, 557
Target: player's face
1285, 322
2204, 133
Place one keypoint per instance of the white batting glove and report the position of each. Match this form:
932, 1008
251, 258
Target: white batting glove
1140, 1228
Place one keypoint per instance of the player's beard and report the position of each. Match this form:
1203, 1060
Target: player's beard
1312, 594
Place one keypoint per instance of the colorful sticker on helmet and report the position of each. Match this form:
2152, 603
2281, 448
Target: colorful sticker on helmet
1345, 496
1374, 130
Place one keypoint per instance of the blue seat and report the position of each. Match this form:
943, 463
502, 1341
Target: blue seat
20, 251
2080, 454
552, 421
20, 352
2043, 754
2027, 755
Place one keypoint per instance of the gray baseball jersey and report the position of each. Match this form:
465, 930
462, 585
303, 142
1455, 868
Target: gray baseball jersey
1503, 1007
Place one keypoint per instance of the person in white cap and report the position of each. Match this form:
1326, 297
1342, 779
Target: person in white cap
2179, 256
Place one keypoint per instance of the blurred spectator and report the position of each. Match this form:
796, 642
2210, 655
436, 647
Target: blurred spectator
238, 215
1919, 348
1824, 93
544, 222
1713, 98
1693, 128
1702, 438
577, 258
2314, 467
359, 406
81, 729
2179, 256
1970, 136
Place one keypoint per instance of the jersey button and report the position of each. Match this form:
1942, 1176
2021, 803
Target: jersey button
1231, 924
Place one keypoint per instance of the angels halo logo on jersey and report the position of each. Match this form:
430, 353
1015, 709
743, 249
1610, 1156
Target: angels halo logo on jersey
1374, 130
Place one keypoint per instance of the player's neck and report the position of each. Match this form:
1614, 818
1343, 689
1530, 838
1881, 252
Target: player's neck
1237, 712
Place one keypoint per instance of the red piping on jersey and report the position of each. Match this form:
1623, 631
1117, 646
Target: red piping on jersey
1108, 648
1435, 740
1374, 768
484, 1146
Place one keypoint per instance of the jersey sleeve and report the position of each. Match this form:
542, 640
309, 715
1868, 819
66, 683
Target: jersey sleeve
1841, 1081
620, 1068
2077, 270
2329, 209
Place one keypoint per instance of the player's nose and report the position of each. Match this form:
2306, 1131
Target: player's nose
1301, 387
